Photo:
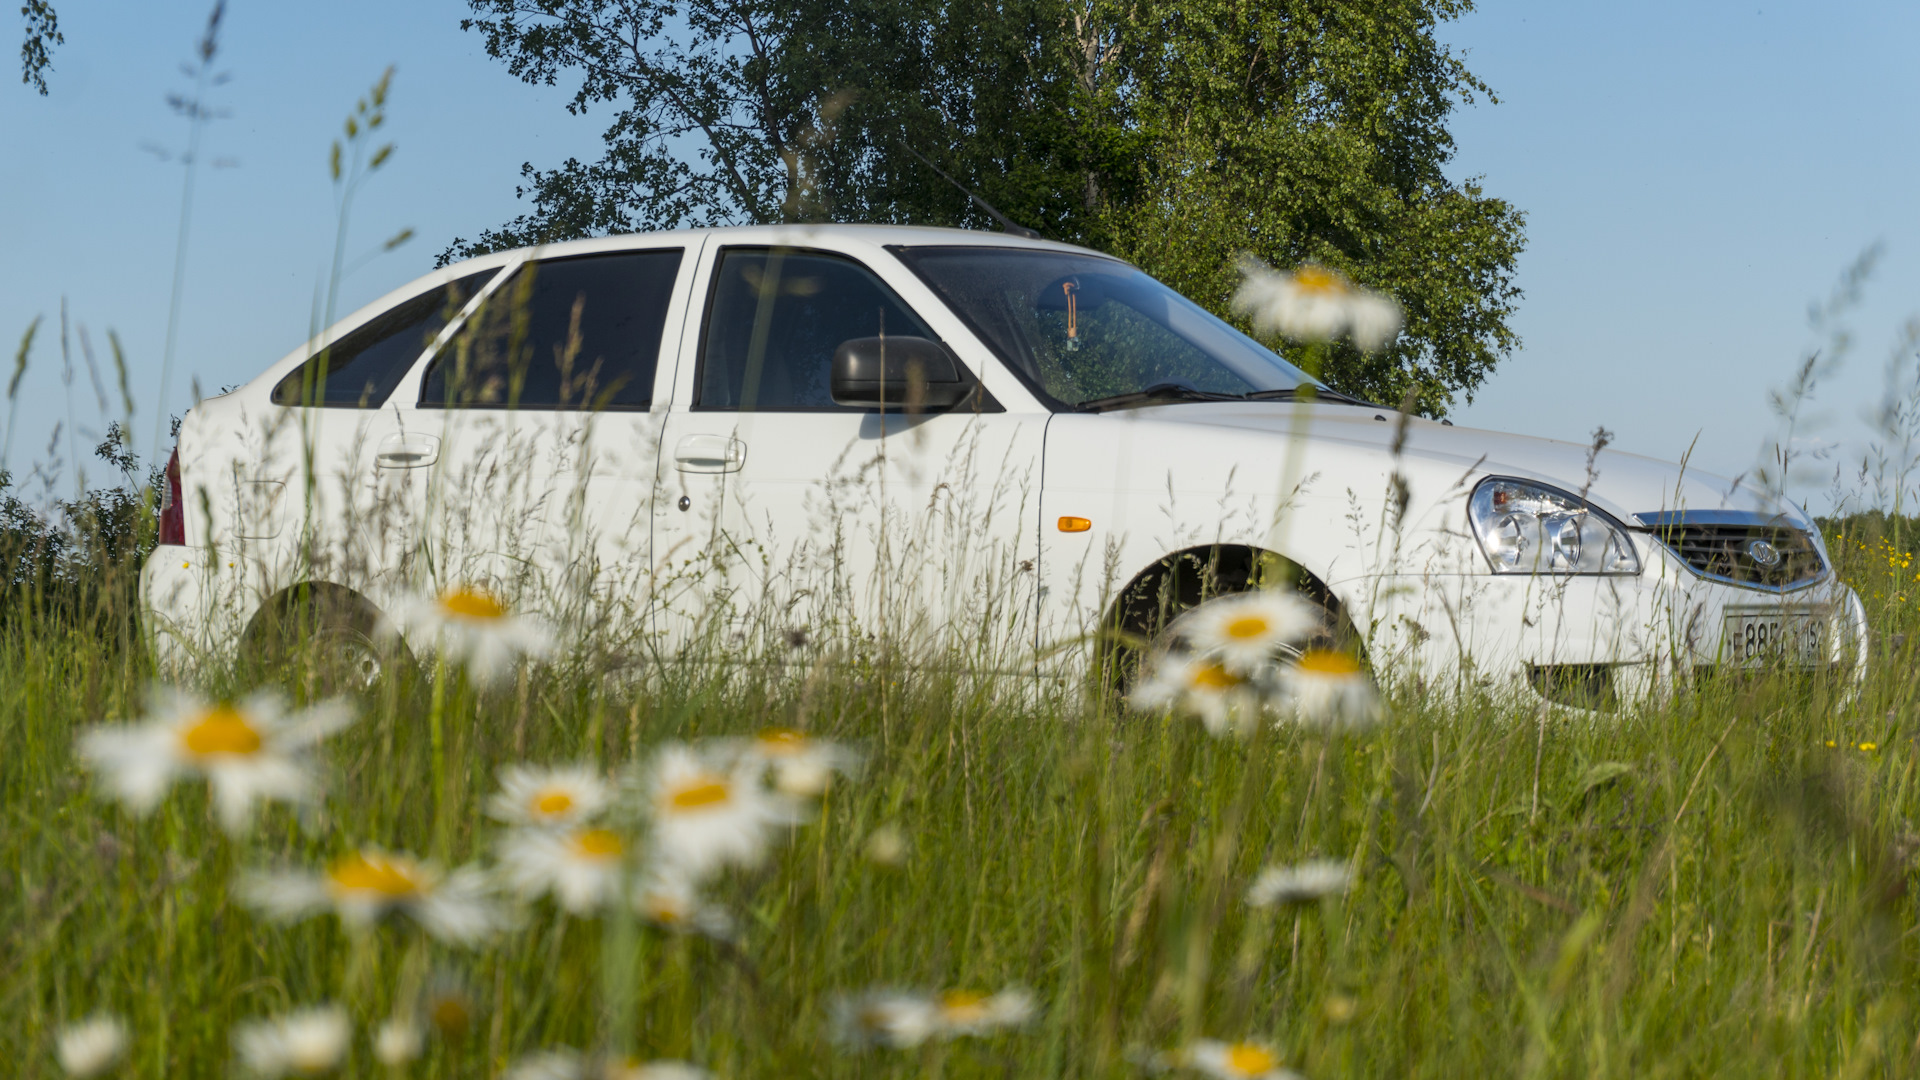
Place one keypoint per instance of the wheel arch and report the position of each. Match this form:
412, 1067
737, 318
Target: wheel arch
312, 596
1182, 578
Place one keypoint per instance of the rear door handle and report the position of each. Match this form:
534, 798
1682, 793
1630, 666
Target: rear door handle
406, 450
709, 454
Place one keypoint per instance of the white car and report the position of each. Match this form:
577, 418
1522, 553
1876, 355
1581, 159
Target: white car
965, 439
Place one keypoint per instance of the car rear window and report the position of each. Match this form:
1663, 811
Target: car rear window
574, 333
361, 369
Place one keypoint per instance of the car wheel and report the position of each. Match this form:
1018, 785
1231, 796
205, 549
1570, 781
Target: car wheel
327, 644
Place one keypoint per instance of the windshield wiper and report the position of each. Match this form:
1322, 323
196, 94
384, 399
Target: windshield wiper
1320, 393
1158, 392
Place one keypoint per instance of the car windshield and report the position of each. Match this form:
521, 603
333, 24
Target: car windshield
1085, 330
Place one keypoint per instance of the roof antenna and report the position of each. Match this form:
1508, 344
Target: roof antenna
1005, 223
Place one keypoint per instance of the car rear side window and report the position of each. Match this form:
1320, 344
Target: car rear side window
361, 369
774, 320
575, 333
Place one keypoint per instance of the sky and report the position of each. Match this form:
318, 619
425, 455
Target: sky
1695, 176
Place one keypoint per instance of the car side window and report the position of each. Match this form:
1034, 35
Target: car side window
774, 319
361, 369
574, 333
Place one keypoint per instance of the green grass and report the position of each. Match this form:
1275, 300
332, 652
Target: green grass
1704, 888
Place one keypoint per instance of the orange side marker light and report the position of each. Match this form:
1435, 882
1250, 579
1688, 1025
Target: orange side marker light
1075, 524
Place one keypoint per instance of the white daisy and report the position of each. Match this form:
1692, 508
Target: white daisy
969, 1012
581, 867
887, 845
306, 1042
1235, 1061
799, 764
1202, 687
707, 815
1306, 881
92, 1046
366, 886
554, 796
398, 1042
473, 628
562, 1064
1314, 303
885, 1018
448, 1004
670, 901
1328, 688
626, 1068
1247, 632
247, 750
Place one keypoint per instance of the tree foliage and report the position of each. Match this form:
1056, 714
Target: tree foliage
36, 49
1174, 133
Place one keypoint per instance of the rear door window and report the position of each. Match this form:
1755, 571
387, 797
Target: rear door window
361, 369
774, 320
574, 333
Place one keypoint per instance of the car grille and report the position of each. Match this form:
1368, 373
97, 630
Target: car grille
1759, 554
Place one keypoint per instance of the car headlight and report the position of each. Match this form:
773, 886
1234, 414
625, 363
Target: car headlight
1528, 528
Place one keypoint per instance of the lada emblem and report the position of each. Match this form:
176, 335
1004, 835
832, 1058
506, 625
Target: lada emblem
1764, 553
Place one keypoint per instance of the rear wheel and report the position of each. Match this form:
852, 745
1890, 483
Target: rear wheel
325, 641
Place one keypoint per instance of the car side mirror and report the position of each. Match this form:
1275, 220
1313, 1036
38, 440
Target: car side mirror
910, 373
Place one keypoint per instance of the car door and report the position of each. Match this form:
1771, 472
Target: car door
537, 434
793, 517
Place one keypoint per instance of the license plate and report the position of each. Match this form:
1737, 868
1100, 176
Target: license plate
1788, 638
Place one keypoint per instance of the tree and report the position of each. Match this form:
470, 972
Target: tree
1174, 133
36, 51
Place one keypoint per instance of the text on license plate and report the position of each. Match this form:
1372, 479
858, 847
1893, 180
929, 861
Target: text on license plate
1797, 639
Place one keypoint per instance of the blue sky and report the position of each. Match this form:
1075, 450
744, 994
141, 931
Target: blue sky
1694, 176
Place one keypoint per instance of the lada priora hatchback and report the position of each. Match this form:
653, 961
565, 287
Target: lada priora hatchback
1017, 445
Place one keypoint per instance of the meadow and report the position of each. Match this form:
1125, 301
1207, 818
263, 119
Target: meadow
1715, 885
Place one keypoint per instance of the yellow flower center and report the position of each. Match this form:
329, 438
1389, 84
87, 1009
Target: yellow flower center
598, 844
701, 792
1247, 627
449, 1013
1314, 278
468, 603
964, 1004
1213, 677
552, 803
221, 730
1328, 662
393, 879
781, 741
1247, 1059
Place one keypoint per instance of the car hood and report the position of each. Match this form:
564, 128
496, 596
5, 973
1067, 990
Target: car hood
1620, 483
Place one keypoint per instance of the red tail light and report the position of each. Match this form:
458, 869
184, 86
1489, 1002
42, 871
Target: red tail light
173, 515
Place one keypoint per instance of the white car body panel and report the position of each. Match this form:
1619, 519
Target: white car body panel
810, 519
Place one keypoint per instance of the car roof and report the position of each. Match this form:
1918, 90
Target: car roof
798, 235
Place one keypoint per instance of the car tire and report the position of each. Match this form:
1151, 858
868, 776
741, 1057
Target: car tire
327, 643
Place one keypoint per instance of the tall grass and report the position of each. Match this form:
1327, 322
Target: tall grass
1716, 886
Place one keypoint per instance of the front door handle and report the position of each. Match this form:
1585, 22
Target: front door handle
709, 454
406, 450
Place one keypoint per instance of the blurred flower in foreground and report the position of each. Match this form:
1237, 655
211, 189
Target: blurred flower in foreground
708, 815
366, 886
1198, 686
901, 1019
398, 1042
670, 901
801, 766
92, 1046
306, 1042
448, 1005
1328, 688
1245, 633
970, 1012
1232, 1061
553, 796
564, 1064
887, 845
253, 749
473, 628
884, 1018
581, 867
1300, 883
1314, 303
